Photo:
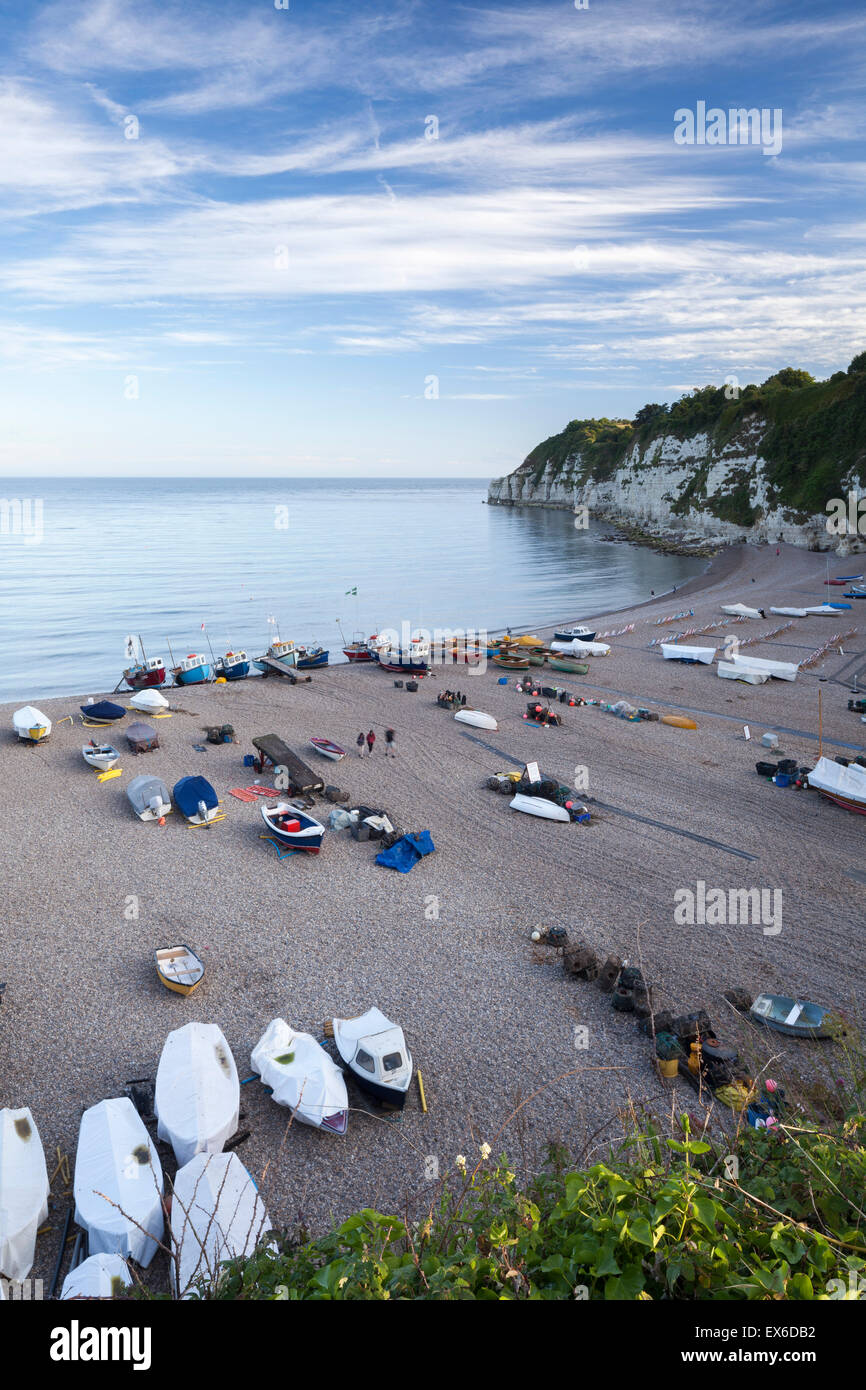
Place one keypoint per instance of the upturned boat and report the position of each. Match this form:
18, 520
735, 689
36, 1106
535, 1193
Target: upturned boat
149, 701
194, 669
31, 724
292, 827
477, 718
328, 749
234, 666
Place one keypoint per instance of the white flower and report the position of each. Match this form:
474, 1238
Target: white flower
460, 1160
485, 1150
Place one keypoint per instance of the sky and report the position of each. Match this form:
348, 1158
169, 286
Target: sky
409, 238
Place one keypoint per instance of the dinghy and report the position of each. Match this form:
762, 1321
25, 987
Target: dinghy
196, 799
100, 755
539, 806
23, 1192
740, 610
197, 1091
790, 612
149, 798
568, 663
216, 1215
118, 1182
477, 718
149, 701
844, 785
302, 1077
179, 968
293, 827
101, 1276
828, 610
374, 1049
672, 652
781, 670
678, 721
328, 749
31, 724
101, 712
729, 672
795, 1017
510, 661
576, 648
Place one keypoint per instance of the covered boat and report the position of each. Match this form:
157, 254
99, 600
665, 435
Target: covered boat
477, 718
780, 670
118, 1182
826, 610
234, 666
142, 738
741, 610
374, 1049
102, 712
100, 755
539, 806
23, 1191
31, 724
577, 648
844, 785
795, 1017
571, 634
149, 798
196, 799
293, 827
149, 701
192, 670
302, 1077
328, 749
671, 651
197, 1095
216, 1215
100, 1276
729, 672
145, 673
790, 612
179, 968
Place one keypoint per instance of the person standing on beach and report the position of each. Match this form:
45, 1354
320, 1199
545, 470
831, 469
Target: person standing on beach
361, 745
390, 750
371, 739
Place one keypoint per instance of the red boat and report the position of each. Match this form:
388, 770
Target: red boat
146, 673
359, 650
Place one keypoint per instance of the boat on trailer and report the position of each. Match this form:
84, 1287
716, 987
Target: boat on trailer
178, 968
292, 827
278, 651
374, 1049
31, 724
100, 755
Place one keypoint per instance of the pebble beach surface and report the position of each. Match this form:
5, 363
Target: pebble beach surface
89, 892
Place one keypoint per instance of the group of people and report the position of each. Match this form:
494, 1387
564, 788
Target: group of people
367, 741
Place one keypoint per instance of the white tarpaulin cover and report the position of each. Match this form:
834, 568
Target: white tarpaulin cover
310, 1084
117, 1163
577, 648
150, 701
728, 671
197, 1091
672, 652
739, 610
23, 1191
790, 612
216, 1213
826, 610
782, 670
102, 1276
850, 781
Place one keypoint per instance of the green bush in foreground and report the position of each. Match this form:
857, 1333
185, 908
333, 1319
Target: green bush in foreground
669, 1218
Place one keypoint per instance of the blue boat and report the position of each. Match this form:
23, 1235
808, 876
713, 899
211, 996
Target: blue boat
193, 670
278, 651
838, 605
854, 593
196, 799
234, 666
311, 657
102, 712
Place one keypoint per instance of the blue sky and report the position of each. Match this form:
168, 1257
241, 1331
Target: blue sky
268, 277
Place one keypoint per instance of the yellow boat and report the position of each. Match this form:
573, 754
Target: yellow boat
678, 721
31, 724
179, 969
510, 661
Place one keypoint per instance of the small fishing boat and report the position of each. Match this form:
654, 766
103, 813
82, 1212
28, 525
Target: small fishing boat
510, 661
234, 666
278, 651
328, 749
302, 1077
539, 806
100, 1276
844, 785
216, 1215
194, 669
374, 1049
292, 827
101, 712
477, 718
797, 1018
31, 724
567, 663
118, 1182
197, 1096
415, 657
358, 650
311, 658
571, 634
536, 655
149, 798
672, 652
179, 968
100, 755
144, 674
24, 1191
149, 702
196, 799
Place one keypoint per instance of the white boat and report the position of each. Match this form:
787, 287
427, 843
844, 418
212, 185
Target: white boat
844, 785
577, 648
477, 718
100, 755
672, 652
729, 672
571, 634
118, 1182
23, 1191
100, 1276
150, 701
302, 1077
375, 1051
739, 610
790, 612
31, 724
538, 806
826, 610
216, 1215
197, 1091
782, 670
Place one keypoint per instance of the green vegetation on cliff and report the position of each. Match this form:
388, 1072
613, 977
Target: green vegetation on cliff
812, 435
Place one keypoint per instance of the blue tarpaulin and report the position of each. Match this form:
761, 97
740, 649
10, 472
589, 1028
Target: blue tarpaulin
404, 855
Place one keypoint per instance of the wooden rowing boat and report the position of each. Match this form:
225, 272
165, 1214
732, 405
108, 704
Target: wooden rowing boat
564, 663
179, 968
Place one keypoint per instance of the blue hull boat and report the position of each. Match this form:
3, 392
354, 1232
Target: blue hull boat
194, 670
309, 659
232, 666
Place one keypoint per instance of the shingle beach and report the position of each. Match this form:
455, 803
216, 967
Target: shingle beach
445, 950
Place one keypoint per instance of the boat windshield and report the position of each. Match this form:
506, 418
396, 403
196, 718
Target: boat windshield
364, 1060
393, 1062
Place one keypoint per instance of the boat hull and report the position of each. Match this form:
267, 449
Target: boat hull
328, 749
308, 837
418, 668
198, 676
508, 663
312, 663
385, 1095
576, 668
356, 655
237, 671
139, 679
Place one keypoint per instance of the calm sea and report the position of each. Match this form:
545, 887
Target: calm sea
246, 558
